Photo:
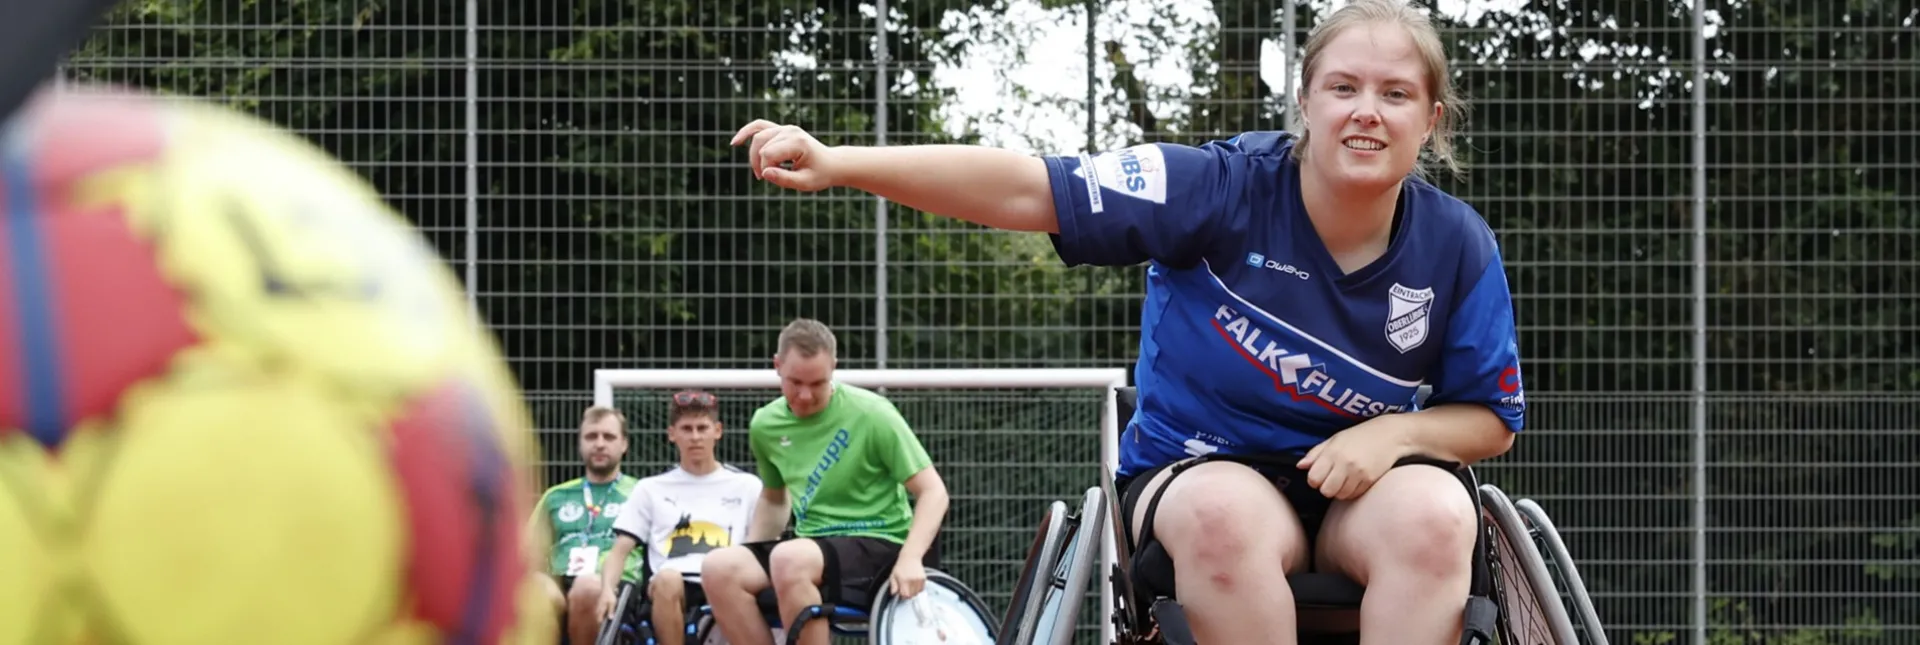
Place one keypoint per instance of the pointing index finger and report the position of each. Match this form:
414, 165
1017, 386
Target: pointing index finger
749, 130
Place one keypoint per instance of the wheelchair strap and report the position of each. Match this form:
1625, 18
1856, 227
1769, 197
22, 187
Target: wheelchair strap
1153, 503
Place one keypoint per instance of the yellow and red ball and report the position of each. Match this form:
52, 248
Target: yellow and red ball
241, 401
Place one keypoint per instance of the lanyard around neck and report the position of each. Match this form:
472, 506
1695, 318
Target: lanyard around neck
594, 510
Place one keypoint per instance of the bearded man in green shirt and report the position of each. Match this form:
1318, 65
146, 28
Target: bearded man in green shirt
841, 461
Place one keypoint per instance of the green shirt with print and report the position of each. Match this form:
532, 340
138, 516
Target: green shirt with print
581, 514
844, 467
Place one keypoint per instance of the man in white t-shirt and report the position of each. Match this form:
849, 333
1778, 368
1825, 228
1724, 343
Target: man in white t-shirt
699, 506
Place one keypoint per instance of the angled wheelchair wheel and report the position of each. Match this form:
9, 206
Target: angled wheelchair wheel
1531, 612
1066, 588
627, 626
1137, 618
947, 612
1029, 592
1560, 562
701, 631
1129, 622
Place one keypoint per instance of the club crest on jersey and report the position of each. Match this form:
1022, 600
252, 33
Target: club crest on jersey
1407, 314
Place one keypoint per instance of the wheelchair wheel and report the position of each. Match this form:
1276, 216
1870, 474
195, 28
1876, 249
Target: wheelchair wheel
702, 632
1029, 592
1060, 610
627, 626
1531, 612
1127, 619
1561, 562
962, 616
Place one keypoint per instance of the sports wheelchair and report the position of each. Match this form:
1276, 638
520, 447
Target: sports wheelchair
1525, 590
888, 621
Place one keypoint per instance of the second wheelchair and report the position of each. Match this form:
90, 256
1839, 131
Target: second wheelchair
889, 620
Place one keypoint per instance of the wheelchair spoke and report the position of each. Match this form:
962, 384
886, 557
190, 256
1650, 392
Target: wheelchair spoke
1561, 562
1522, 622
1525, 581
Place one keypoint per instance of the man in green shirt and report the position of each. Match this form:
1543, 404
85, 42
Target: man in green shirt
841, 462
577, 516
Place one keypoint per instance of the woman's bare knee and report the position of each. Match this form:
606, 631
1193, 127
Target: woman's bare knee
1441, 541
1220, 517
1416, 519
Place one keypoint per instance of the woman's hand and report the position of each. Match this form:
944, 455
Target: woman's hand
1347, 464
786, 156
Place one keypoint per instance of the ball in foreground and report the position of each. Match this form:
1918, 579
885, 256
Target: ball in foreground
240, 399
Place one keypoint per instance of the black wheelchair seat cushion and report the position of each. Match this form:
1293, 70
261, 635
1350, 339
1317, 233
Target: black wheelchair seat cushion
1153, 572
1325, 591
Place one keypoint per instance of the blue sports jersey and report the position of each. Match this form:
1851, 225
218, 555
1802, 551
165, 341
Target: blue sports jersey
1252, 338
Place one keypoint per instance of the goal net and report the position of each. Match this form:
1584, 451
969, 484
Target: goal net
1007, 442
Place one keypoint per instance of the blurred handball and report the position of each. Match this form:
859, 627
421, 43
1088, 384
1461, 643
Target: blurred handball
241, 401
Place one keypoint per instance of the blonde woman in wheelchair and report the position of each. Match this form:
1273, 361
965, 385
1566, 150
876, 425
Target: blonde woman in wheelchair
1301, 287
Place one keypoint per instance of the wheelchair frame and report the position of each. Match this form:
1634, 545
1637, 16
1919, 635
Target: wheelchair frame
1510, 568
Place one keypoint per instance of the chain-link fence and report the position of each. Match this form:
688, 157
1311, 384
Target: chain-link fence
1708, 214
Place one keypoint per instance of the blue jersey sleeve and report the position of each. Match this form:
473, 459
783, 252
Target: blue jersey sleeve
1160, 202
1480, 362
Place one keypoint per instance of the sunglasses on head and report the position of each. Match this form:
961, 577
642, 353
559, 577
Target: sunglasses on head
693, 398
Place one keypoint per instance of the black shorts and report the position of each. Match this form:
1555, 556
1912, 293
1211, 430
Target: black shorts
863, 564
1152, 568
1307, 502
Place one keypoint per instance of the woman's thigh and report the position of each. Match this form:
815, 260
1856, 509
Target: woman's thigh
1416, 515
1217, 503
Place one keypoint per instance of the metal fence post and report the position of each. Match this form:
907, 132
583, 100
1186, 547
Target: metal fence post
1093, 71
880, 94
1699, 322
1286, 72
473, 159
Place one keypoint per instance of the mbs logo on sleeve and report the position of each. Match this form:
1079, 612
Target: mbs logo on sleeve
1139, 172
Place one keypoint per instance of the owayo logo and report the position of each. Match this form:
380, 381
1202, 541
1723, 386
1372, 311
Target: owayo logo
1260, 260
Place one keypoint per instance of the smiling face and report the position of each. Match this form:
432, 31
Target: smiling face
1367, 106
1374, 93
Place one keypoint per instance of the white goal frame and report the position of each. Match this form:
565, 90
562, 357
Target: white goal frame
605, 381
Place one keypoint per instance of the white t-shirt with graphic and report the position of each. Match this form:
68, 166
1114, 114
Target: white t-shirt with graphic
680, 517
